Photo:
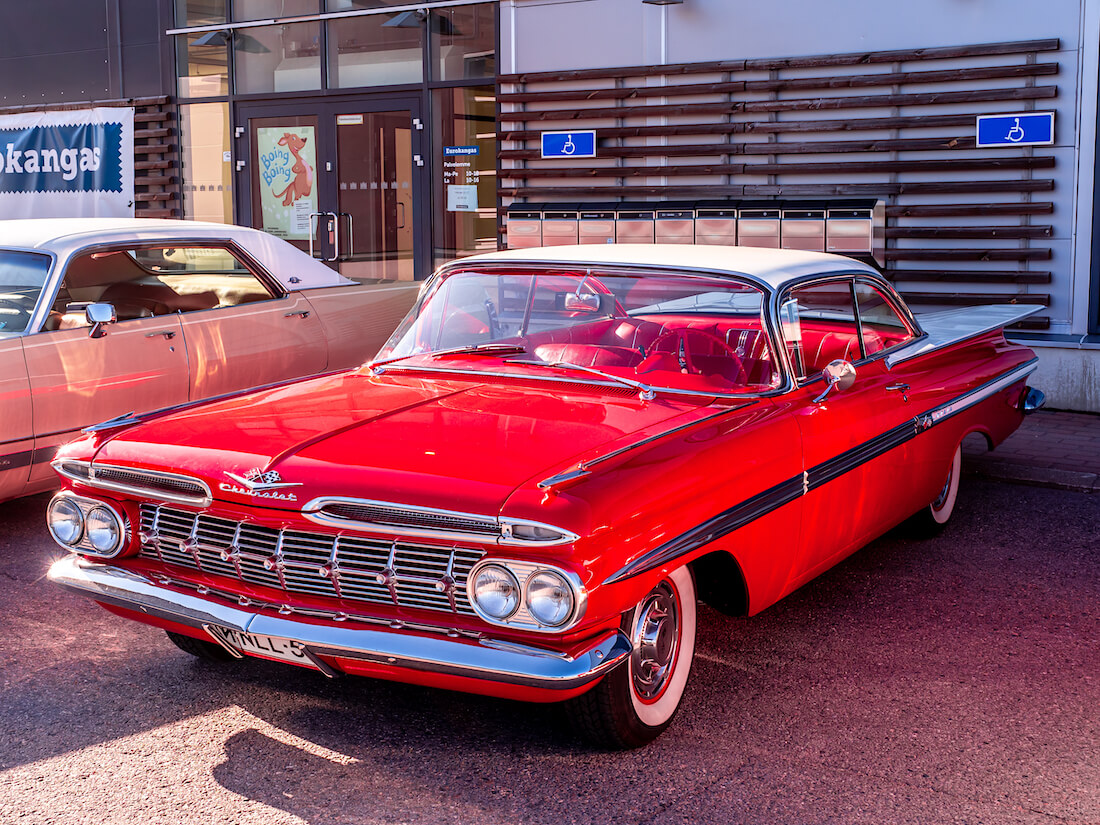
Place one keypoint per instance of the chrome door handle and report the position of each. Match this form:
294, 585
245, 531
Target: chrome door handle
304, 313
167, 333
902, 388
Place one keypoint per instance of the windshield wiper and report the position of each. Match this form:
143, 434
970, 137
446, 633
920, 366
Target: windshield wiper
645, 392
469, 349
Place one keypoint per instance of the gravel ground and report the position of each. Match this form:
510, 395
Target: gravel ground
953, 680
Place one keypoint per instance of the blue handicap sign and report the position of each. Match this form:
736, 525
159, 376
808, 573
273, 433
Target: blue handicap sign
1024, 129
569, 144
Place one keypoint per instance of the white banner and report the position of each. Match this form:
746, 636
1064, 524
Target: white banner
77, 164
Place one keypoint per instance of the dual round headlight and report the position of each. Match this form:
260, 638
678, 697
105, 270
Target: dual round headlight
85, 526
547, 595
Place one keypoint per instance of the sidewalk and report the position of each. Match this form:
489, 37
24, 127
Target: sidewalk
1051, 449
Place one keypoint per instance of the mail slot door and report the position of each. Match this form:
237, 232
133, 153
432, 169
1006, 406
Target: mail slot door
674, 226
716, 226
634, 226
758, 227
524, 229
597, 226
803, 229
849, 231
559, 227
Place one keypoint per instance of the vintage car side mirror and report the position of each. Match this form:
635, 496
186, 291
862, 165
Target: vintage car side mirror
840, 374
98, 316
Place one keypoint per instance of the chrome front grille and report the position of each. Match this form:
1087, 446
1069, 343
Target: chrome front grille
168, 486
349, 567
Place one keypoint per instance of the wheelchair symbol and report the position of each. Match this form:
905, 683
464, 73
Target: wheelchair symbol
1016, 133
570, 147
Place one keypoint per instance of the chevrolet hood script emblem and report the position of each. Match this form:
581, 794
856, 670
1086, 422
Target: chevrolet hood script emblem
257, 481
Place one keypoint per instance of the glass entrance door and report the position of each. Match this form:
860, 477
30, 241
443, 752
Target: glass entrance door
340, 181
375, 197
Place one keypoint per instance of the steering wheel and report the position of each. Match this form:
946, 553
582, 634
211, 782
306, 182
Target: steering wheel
687, 355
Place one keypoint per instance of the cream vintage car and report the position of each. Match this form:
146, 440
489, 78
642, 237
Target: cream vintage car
103, 317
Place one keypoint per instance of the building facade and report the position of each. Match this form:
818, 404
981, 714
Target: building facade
389, 136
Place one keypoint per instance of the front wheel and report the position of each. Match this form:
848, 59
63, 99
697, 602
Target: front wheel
634, 703
933, 519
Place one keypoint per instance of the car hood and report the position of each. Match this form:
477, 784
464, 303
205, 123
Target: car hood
451, 444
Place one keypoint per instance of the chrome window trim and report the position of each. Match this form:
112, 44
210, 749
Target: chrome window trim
84, 546
312, 511
143, 492
521, 618
45, 297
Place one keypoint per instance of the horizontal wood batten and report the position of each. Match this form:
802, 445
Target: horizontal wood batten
966, 276
769, 64
791, 84
969, 210
803, 105
962, 232
896, 254
862, 190
840, 167
975, 298
765, 127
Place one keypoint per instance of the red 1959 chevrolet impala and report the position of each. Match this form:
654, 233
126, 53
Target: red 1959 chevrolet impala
556, 454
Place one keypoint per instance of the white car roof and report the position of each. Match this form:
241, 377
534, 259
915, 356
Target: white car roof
775, 267
65, 236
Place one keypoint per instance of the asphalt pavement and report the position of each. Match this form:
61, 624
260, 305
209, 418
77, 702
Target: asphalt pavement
951, 680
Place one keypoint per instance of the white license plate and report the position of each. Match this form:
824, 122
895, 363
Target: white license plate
270, 647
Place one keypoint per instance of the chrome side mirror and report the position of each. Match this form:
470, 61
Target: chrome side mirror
588, 302
98, 316
840, 374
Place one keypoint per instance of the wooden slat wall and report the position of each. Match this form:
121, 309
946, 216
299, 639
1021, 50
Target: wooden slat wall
156, 166
892, 125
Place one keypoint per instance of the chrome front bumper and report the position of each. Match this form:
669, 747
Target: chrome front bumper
483, 659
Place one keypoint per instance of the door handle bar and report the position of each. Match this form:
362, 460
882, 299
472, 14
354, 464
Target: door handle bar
167, 333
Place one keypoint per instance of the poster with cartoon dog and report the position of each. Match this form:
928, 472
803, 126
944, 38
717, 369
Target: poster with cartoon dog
288, 191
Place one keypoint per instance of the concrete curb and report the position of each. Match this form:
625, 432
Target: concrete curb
1001, 470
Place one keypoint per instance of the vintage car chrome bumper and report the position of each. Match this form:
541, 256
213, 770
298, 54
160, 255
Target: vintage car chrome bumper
483, 659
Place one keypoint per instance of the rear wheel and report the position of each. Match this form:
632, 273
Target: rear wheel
634, 703
209, 651
933, 519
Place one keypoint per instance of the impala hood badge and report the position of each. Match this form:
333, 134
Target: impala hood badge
260, 484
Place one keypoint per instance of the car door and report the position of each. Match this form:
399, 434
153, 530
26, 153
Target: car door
240, 329
854, 440
76, 380
16, 434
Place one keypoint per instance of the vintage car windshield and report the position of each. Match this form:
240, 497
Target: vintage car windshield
683, 333
22, 277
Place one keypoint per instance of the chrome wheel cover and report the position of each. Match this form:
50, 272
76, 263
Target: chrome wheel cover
655, 639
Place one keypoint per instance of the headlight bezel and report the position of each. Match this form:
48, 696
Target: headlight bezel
83, 545
525, 572
55, 504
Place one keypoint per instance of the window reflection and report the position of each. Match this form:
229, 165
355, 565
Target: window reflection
207, 189
466, 149
282, 58
464, 42
262, 9
376, 50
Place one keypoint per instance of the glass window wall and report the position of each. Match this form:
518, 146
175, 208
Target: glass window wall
284, 58
464, 179
264, 9
464, 42
376, 50
205, 167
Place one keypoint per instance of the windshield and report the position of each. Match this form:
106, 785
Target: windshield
683, 333
22, 276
